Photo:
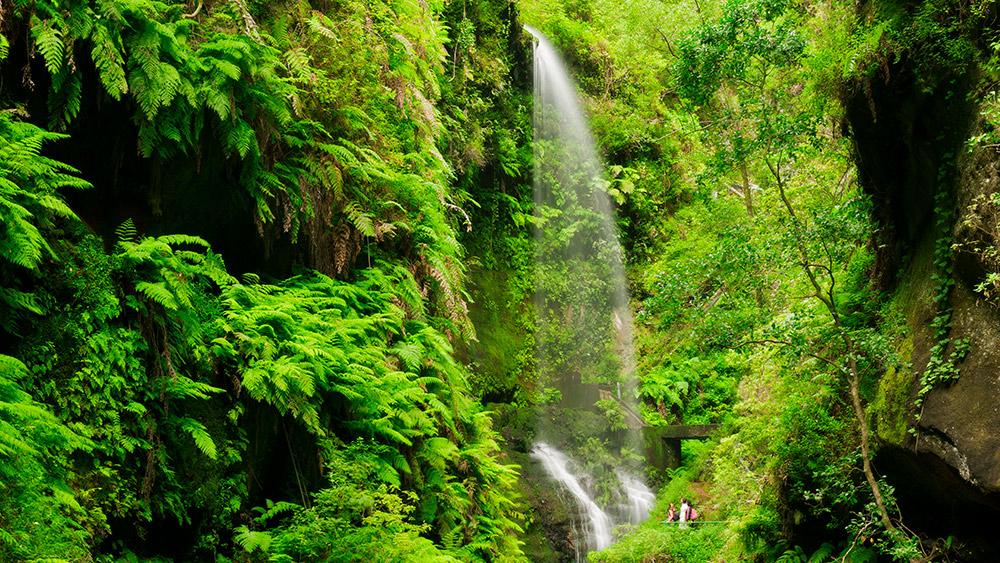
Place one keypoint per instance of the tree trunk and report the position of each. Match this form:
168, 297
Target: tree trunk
854, 378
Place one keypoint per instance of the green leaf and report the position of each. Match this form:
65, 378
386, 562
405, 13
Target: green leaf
198, 432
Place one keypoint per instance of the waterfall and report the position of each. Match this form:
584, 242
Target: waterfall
558, 466
585, 358
640, 498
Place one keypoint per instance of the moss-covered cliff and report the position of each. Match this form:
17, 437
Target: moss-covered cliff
922, 126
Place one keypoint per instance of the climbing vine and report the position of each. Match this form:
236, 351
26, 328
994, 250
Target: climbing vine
947, 353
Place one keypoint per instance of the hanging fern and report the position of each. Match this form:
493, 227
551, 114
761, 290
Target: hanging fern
29, 205
49, 42
202, 439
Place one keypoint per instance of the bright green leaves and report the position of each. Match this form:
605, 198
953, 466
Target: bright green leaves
172, 278
701, 390
357, 514
107, 56
154, 81
38, 508
743, 71
21, 418
304, 343
749, 37
29, 204
28, 190
49, 42
241, 139
311, 346
198, 432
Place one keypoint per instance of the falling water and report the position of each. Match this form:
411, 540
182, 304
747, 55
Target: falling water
558, 466
640, 498
584, 326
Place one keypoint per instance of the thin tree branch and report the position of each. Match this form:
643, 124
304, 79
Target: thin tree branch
763, 341
667, 41
196, 11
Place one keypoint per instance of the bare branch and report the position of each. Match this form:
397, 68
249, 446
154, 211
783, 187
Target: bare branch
196, 11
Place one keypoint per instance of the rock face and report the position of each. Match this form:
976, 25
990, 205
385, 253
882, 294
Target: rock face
944, 461
549, 535
961, 423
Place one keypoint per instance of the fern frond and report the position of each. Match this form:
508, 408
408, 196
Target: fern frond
273, 509
202, 439
126, 232
361, 221
320, 25
65, 98
252, 541
107, 57
158, 293
179, 239
182, 387
49, 42
241, 139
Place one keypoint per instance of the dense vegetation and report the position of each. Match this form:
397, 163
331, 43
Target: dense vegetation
267, 269
156, 405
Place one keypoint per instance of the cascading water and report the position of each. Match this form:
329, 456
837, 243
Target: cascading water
585, 353
558, 466
640, 498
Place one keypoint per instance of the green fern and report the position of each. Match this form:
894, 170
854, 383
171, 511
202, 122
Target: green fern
107, 57
34, 450
126, 232
29, 204
272, 509
253, 541
49, 42
198, 432
158, 293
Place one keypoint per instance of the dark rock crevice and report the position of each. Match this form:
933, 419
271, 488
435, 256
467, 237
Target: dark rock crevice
937, 501
906, 140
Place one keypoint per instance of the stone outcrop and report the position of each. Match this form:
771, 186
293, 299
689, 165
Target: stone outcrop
944, 459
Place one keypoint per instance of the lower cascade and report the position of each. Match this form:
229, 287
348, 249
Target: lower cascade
640, 498
633, 505
557, 465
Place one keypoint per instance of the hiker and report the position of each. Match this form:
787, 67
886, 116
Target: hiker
692, 513
685, 512
671, 513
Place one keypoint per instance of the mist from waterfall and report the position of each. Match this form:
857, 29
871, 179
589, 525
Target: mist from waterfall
588, 438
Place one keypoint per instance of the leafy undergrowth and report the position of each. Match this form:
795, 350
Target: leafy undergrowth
656, 541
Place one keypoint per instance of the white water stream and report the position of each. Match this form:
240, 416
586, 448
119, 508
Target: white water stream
582, 303
557, 465
640, 498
